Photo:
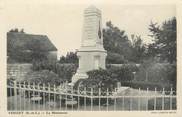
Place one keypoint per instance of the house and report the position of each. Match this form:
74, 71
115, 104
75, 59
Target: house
21, 46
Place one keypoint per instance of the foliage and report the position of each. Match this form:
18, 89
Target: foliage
66, 71
123, 73
138, 49
70, 57
115, 58
116, 41
106, 79
164, 45
160, 73
97, 79
43, 76
44, 65
119, 48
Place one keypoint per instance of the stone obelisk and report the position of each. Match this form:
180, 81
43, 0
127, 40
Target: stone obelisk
91, 54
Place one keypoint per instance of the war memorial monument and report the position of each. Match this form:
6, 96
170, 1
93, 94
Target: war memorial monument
91, 54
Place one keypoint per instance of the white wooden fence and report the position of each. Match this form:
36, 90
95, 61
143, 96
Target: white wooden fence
27, 96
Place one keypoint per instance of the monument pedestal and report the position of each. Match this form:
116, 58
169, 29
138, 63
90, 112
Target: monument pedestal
89, 59
78, 76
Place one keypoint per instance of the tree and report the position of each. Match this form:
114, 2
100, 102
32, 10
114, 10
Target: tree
164, 45
116, 41
70, 57
138, 49
115, 58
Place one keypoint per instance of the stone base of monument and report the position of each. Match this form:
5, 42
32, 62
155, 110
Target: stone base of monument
78, 76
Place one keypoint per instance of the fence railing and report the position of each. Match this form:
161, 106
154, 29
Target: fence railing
27, 96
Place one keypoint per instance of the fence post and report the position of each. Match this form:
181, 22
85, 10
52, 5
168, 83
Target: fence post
10, 95
155, 98
34, 96
78, 98
72, 97
131, 101
139, 99
123, 99
29, 96
15, 95
99, 98
171, 95
115, 99
38, 89
54, 96
107, 93
60, 96
147, 99
91, 99
43, 97
66, 95
49, 95
20, 92
24, 97
163, 94
85, 92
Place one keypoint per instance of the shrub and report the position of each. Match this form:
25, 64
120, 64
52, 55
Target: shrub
157, 73
115, 58
107, 78
71, 57
66, 71
123, 73
44, 65
97, 79
43, 76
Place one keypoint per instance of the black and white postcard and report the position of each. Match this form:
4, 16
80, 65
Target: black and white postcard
90, 58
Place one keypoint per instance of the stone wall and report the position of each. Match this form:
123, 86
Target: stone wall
18, 71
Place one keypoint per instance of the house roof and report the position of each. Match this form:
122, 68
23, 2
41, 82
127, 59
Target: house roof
23, 41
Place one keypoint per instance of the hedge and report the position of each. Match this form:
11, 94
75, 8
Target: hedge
157, 74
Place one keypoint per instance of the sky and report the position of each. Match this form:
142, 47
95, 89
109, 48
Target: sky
62, 23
